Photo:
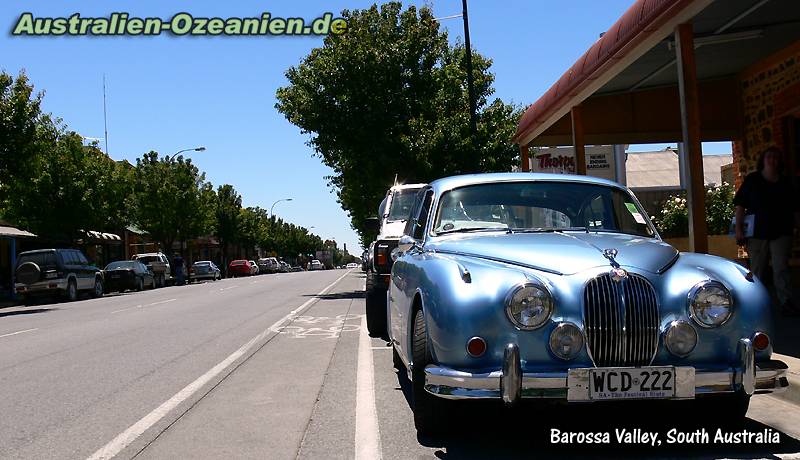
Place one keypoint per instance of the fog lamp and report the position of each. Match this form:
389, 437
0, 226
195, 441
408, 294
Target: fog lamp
680, 338
476, 347
760, 341
566, 341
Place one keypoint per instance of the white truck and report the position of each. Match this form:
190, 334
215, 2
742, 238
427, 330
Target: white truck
159, 264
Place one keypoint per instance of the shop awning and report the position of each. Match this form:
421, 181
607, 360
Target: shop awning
14, 232
627, 82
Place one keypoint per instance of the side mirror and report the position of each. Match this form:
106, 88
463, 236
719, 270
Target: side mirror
406, 243
373, 224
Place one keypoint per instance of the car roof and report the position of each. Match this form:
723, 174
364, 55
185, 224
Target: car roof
406, 186
449, 183
202, 262
39, 251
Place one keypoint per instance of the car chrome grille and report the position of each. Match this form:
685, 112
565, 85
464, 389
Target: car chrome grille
621, 321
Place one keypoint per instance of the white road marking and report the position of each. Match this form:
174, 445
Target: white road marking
146, 305
19, 332
124, 439
160, 302
368, 436
381, 348
126, 309
229, 287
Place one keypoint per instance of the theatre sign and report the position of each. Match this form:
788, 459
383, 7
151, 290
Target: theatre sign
561, 160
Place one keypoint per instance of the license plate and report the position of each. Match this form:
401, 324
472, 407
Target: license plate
632, 383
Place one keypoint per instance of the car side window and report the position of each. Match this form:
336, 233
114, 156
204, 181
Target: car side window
424, 212
81, 258
68, 257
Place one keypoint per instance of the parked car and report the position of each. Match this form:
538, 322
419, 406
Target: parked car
297, 268
159, 265
128, 275
284, 267
316, 265
351, 265
239, 268
519, 285
393, 213
204, 270
268, 265
253, 267
63, 272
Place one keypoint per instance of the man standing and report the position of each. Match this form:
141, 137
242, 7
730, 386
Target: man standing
770, 197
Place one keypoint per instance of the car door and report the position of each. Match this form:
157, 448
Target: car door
86, 270
405, 272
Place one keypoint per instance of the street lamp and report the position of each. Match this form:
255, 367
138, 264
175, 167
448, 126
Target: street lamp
271, 214
196, 149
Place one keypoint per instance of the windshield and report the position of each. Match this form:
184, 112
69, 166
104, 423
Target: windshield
118, 265
148, 259
540, 206
402, 200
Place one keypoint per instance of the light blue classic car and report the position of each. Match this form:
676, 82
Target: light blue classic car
519, 285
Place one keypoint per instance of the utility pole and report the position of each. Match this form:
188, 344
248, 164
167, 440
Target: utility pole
105, 119
473, 123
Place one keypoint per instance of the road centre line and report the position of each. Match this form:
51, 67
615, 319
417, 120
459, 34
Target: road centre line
368, 436
124, 439
19, 332
229, 287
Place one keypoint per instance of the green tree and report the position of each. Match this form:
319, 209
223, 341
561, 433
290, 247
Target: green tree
226, 229
389, 98
173, 202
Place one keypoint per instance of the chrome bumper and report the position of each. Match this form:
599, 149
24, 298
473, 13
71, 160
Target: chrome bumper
510, 384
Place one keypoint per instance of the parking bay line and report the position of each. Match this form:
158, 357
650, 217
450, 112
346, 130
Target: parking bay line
19, 332
146, 305
124, 439
368, 436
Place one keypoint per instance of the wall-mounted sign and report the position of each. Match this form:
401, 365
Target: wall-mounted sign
561, 160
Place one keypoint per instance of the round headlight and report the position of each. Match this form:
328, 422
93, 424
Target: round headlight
710, 304
680, 338
566, 341
529, 306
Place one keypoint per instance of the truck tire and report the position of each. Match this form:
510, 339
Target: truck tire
376, 307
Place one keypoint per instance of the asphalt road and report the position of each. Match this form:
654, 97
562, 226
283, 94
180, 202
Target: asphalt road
275, 366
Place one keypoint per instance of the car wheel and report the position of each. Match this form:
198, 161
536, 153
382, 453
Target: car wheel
72, 291
139, 284
376, 308
98, 288
428, 410
153, 283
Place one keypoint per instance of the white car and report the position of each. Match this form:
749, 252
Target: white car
352, 265
316, 265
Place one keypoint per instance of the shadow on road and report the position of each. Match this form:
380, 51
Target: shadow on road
339, 295
26, 312
487, 429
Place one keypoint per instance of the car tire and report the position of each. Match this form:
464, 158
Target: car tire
428, 410
139, 285
153, 283
72, 291
376, 308
98, 290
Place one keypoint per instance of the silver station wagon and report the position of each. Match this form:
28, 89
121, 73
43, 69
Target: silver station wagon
520, 285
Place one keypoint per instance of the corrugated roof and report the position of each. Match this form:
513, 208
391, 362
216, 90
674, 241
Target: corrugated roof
660, 169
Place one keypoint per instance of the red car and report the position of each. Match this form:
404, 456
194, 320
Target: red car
239, 268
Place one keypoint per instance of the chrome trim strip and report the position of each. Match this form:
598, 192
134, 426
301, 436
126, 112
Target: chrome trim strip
747, 365
511, 378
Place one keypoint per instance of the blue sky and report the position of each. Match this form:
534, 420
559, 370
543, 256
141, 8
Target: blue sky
167, 93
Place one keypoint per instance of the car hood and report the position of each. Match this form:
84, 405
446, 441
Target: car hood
561, 253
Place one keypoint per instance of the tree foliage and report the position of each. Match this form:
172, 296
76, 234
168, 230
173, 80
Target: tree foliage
173, 200
389, 98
